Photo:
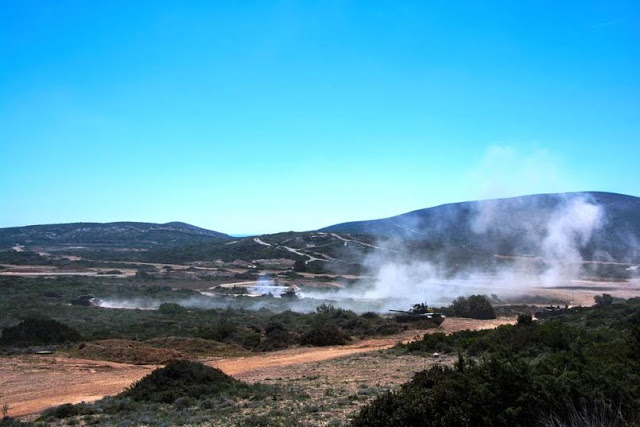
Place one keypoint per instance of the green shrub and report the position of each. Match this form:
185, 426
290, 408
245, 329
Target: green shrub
178, 379
524, 319
250, 339
276, 337
560, 372
11, 422
474, 307
36, 330
502, 391
603, 300
171, 308
323, 333
221, 330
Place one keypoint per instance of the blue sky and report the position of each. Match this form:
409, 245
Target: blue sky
266, 116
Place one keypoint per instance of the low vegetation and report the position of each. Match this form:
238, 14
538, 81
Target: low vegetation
473, 307
245, 249
583, 366
182, 379
28, 300
181, 392
35, 330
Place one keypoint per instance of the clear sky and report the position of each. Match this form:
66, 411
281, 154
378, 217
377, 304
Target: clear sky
266, 116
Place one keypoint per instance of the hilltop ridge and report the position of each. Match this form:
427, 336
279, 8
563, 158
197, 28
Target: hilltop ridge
507, 225
136, 234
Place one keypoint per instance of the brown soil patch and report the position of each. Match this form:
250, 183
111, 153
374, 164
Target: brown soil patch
30, 384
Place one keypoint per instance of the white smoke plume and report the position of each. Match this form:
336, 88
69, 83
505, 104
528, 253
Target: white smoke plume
569, 229
131, 303
547, 235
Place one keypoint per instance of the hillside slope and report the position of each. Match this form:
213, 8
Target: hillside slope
321, 252
126, 234
521, 225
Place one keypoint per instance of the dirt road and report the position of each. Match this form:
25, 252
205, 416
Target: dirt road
243, 367
30, 384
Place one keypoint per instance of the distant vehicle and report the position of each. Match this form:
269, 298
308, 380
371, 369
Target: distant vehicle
86, 300
290, 293
553, 311
419, 312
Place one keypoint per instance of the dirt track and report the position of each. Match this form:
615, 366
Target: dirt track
244, 367
30, 384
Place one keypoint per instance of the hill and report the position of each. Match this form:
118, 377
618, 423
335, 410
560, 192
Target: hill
114, 234
603, 226
320, 251
569, 226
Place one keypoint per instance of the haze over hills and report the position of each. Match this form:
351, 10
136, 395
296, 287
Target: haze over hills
605, 225
130, 234
600, 226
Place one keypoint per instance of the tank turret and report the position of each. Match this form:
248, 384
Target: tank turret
290, 293
419, 312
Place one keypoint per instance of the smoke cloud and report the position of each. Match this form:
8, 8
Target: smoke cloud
569, 229
546, 251
539, 241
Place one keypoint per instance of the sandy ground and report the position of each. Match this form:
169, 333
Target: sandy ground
581, 292
30, 384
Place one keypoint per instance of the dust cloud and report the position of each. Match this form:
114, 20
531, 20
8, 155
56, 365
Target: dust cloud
546, 241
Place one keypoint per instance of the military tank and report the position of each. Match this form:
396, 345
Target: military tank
419, 312
553, 311
290, 293
86, 300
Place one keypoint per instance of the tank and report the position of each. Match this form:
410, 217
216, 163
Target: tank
553, 311
419, 312
290, 293
86, 300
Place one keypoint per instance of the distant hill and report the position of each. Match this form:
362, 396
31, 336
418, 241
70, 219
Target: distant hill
594, 225
322, 252
124, 234
519, 225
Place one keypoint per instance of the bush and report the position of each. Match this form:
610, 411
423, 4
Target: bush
220, 331
326, 326
603, 300
474, 307
323, 333
560, 372
250, 339
524, 319
276, 337
35, 330
503, 391
171, 308
63, 411
180, 379
11, 422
